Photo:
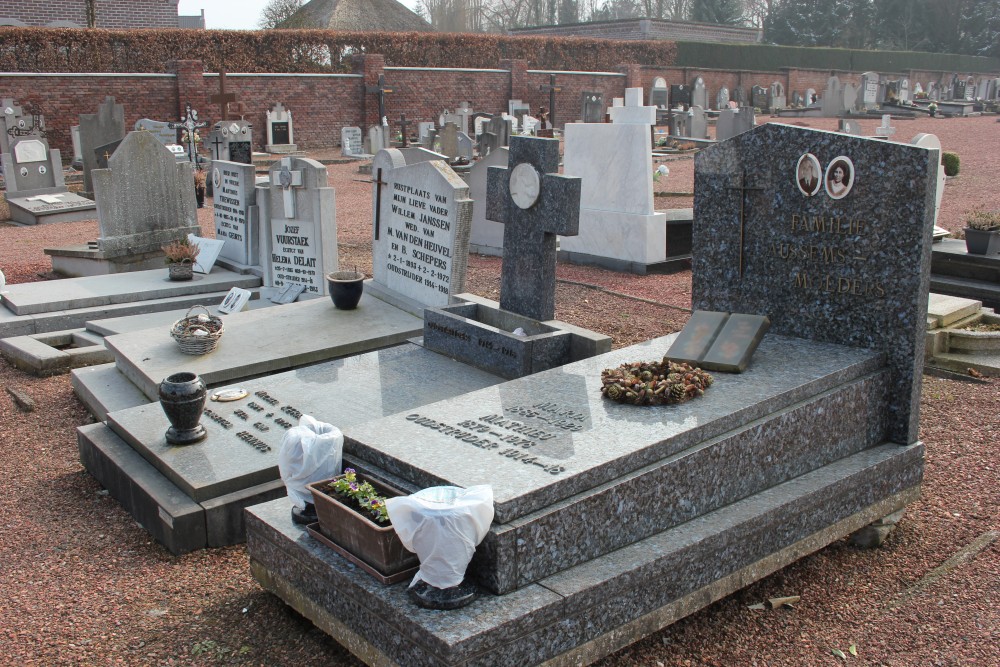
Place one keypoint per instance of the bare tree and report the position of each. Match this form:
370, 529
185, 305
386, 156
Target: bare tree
277, 12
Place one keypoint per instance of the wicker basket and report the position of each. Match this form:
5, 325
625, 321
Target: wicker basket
196, 334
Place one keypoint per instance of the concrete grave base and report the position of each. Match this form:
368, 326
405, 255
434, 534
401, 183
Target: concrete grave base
70, 208
81, 260
586, 612
55, 352
665, 247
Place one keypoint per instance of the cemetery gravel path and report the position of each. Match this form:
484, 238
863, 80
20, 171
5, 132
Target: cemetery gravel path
82, 584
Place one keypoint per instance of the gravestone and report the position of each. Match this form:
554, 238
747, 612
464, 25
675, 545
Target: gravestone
796, 99
869, 91
859, 278
734, 121
448, 136
983, 89
758, 98
351, 141
918, 90
462, 115
904, 90
739, 96
159, 129
850, 96
12, 117
699, 95
932, 143
722, 99
103, 153
237, 218
36, 190
145, 198
833, 99
850, 126
592, 107
423, 130
933, 91
479, 120
107, 125
298, 225
618, 226
280, 137
74, 132
465, 150
958, 89
517, 108
422, 217
776, 96
970, 89
659, 94
232, 141
680, 96
765, 467
534, 203
486, 237
812, 99
378, 138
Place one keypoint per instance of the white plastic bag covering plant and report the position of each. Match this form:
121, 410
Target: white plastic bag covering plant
442, 525
310, 452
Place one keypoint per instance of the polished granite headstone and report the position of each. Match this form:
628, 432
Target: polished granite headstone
853, 270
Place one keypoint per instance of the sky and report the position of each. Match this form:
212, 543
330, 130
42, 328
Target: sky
231, 14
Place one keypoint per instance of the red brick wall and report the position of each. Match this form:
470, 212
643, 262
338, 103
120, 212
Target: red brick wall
322, 104
110, 13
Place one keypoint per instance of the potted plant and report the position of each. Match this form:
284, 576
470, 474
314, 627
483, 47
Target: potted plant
199, 187
353, 516
179, 256
982, 232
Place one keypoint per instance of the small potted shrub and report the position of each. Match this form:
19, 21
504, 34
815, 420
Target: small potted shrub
982, 232
199, 187
951, 163
179, 256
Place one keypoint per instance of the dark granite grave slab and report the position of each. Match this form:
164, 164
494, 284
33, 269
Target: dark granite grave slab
543, 438
955, 272
779, 447
853, 270
595, 608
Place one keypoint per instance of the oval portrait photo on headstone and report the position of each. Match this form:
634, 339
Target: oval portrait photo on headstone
807, 174
839, 177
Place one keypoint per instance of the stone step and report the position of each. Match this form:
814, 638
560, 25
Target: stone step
597, 607
969, 288
102, 389
985, 362
945, 310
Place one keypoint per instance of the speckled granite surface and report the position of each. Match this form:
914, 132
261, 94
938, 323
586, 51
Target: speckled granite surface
685, 567
853, 270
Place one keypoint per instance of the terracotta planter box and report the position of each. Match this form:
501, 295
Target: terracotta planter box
377, 546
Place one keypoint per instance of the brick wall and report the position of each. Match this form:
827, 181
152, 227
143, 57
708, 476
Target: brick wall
110, 13
322, 104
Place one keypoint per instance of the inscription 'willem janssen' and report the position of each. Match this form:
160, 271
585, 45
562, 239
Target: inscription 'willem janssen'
836, 238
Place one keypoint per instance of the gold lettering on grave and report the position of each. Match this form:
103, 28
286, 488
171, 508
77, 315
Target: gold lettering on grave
838, 251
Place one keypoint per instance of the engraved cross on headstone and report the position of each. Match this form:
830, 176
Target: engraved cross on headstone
288, 180
217, 143
744, 189
379, 182
534, 203
222, 98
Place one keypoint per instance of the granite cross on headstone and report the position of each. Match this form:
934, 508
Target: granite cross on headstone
535, 204
222, 98
289, 179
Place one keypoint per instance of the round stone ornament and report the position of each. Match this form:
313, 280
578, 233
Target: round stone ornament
525, 185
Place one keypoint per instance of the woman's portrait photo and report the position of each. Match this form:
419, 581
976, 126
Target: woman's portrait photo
839, 177
807, 174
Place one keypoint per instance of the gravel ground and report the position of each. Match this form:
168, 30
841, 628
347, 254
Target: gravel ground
84, 585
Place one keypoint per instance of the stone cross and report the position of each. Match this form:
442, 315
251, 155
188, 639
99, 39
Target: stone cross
534, 203
552, 89
189, 125
223, 98
288, 180
381, 90
885, 129
464, 111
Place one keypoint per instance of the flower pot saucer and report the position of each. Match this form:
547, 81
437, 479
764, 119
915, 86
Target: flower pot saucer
402, 575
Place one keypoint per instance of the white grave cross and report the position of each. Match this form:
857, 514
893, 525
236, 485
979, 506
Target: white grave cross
886, 129
289, 179
48, 199
631, 110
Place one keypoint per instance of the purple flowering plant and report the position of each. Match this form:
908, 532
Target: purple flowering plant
362, 493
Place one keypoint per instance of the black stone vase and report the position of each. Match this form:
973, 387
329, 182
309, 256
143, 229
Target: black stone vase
182, 396
345, 288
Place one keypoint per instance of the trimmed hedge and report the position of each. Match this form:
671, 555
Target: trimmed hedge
151, 51
952, 163
771, 58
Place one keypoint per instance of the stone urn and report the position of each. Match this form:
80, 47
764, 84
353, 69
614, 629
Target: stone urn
345, 288
182, 396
